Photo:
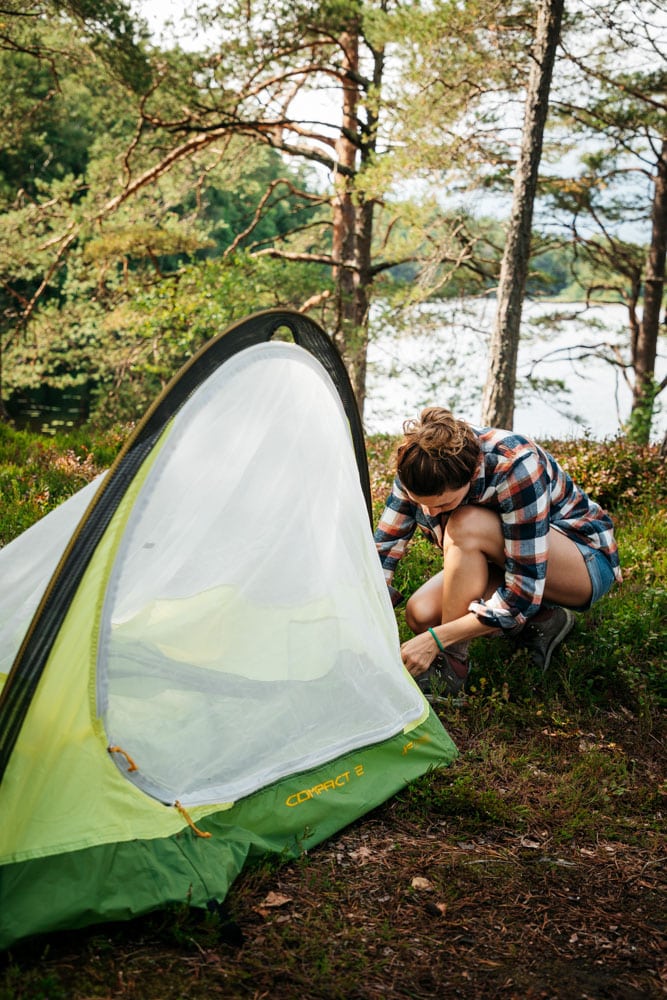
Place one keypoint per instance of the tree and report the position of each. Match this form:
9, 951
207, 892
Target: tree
498, 400
77, 262
37, 147
644, 347
257, 76
109, 26
387, 63
330, 83
612, 103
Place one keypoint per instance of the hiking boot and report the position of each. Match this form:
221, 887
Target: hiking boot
544, 632
446, 675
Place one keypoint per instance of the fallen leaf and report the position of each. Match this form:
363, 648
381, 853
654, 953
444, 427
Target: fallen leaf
276, 899
421, 883
529, 842
362, 855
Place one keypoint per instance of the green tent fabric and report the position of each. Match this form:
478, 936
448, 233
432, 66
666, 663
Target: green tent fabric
212, 669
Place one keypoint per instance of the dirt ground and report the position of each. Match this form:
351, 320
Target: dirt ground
480, 881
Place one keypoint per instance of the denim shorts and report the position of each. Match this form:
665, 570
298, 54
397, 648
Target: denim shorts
600, 571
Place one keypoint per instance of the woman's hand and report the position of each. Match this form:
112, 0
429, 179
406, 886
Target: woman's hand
418, 653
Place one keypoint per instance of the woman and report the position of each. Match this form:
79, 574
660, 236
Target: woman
522, 544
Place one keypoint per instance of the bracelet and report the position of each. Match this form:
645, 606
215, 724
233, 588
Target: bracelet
437, 641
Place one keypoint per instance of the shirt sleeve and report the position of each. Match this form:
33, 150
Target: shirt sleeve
392, 534
523, 501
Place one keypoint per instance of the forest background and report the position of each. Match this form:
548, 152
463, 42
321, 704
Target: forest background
353, 160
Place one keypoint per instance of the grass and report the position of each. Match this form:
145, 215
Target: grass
531, 868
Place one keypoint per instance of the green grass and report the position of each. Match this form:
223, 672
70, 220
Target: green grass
616, 654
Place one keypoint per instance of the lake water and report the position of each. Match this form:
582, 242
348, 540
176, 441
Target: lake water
445, 364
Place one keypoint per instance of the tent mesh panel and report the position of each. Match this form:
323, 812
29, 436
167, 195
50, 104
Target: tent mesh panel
34, 652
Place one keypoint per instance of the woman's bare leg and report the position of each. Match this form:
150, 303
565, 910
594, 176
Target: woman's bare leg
473, 564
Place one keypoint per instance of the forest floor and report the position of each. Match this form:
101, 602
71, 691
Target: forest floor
532, 867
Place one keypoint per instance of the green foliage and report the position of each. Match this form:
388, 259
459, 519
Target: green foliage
641, 418
117, 360
230, 210
616, 654
72, 151
550, 271
167, 323
615, 472
557, 799
38, 473
58, 101
115, 35
596, 787
586, 783
464, 797
79, 278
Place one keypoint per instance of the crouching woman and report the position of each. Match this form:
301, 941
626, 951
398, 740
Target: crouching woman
523, 546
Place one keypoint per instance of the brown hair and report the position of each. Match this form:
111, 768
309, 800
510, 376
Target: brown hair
437, 453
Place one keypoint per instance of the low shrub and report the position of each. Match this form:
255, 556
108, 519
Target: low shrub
616, 472
616, 655
38, 473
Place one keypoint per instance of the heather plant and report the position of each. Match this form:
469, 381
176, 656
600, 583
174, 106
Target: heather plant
615, 472
37, 473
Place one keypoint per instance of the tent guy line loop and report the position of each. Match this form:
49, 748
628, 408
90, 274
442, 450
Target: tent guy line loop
131, 765
177, 805
189, 821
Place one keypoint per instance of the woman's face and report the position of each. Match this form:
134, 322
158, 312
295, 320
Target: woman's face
441, 503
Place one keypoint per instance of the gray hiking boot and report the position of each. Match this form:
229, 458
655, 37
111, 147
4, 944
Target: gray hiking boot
446, 675
544, 632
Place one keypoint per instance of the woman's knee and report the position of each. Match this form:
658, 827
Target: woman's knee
474, 526
424, 608
414, 617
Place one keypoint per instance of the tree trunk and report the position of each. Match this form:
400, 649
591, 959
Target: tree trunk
357, 346
4, 415
498, 399
352, 232
645, 346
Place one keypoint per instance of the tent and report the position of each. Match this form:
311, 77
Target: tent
205, 664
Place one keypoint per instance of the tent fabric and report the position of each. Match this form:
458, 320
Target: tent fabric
260, 328
215, 647
117, 880
231, 597
26, 565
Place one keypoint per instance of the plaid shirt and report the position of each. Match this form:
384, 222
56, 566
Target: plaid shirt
530, 492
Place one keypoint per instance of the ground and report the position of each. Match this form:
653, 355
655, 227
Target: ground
531, 868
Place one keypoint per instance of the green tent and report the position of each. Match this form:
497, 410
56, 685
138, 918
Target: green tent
199, 660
